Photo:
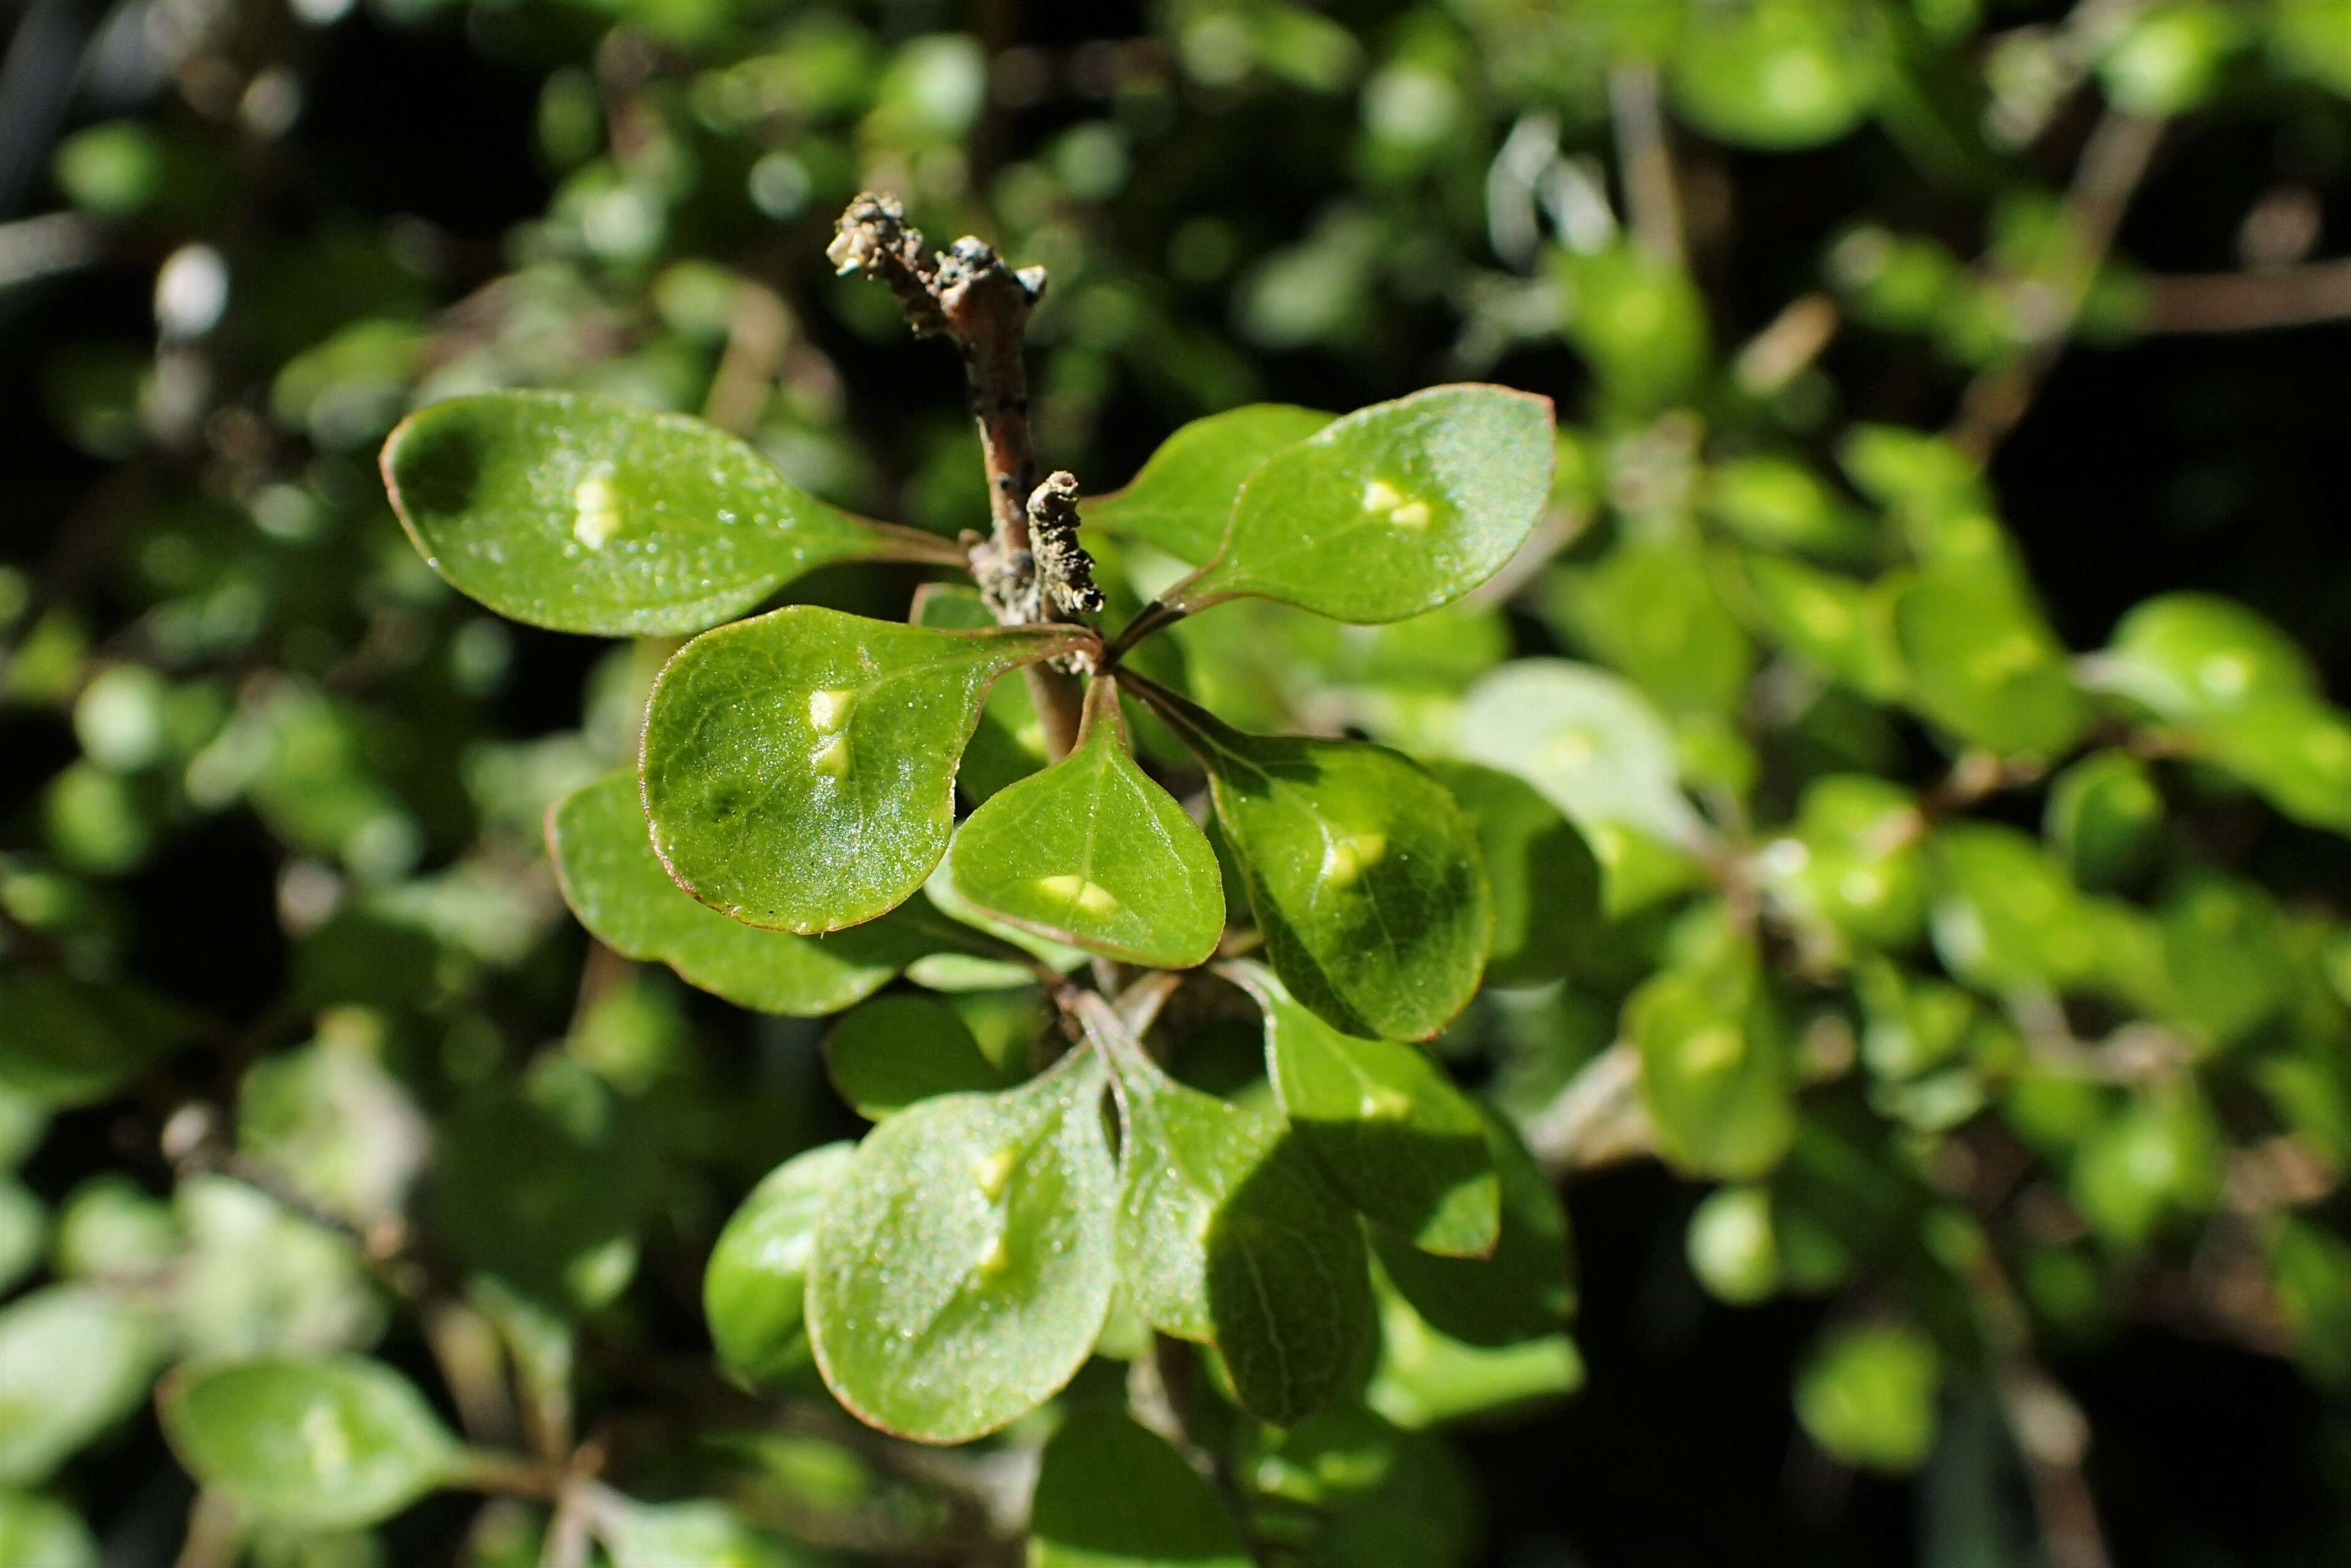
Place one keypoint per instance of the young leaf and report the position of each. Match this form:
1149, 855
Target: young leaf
1092, 852
900, 1050
1361, 871
1524, 1288
1383, 1121
604, 858
1184, 498
1113, 1495
799, 768
965, 1265
1544, 880
586, 514
73, 1361
754, 1291
1395, 509
338, 1444
1867, 1395
1228, 1234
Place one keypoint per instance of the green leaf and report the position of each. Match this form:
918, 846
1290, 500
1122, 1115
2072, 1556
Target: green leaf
1008, 742
586, 514
23, 1232
40, 1533
1732, 1246
688, 1535
2105, 818
1113, 1495
2005, 916
1715, 1073
2295, 752
1984, 664
66, 1042
754, 1289
1544, 882
1361, 870
1426, 1377
1182, 498
799, 768
1384, 1123
1842, 626
604, 858
1639, 320
897, 1051
1522, 1290
1853, 861
965, 1265
1347, 1489
1094, 853
1867, 1395
1395, 509
73, 1361
334, 1125
2186, 656
1778, 503
1778, 74
1228, 1234
1600, 753
338, 1444
1650, 610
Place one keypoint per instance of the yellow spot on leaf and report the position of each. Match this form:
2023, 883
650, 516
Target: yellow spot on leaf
1712, 1050
1381, 1103
1384, 499
995, 1173
828, 710
994, 1258
1087, 897
596, 508
1347, 857
832, 756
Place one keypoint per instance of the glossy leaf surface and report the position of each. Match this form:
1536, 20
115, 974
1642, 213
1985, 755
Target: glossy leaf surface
1391, 1131
604, 855
1361, 870
966, 1263
1093, 853
1182, 498
799, 768
319, 1445
1228, 1234
754, 1289
1391, 510
586, 514
1113, 1495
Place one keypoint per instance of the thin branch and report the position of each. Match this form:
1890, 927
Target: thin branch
1780, 352
2252, 302
1596, 1120
2113, 163
1652, 198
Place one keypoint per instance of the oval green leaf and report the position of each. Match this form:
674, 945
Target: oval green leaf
1113, 1495
587, 513
1524, 1289
1544, 880
73, 1361
604, 860
1092, 852
1361, 871
965, 1265
1715, 1074
1384, 1122
900, 1050
1393, 510
338, 1444
799, 768
754, 1291
1182, 498
1228, 1235
37, 1531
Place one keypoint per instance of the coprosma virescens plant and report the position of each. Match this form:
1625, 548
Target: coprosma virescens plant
791, 839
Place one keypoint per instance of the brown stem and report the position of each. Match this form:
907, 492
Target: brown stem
2113, 163
1651, 195
2252, 302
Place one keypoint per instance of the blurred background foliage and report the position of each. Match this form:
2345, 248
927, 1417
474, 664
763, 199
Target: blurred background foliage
1931, 637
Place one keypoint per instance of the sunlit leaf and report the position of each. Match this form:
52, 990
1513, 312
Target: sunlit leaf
1384, 1122
799, 768
1391, 510
1183, 496
1867, 1395
1361, 871
1113, 1495
1092, 852
965, 1263
1714, 1071
754, 1289
321, 1445
586, 514
73, 1361
1228, 1233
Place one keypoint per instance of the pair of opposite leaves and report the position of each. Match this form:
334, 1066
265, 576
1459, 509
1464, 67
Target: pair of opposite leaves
798, 767
953, 1270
